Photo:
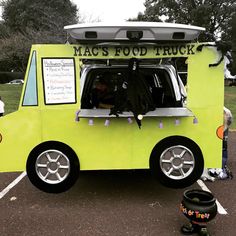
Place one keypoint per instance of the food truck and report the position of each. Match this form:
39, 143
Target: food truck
114, 100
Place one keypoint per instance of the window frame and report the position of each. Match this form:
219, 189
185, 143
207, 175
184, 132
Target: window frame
88, 81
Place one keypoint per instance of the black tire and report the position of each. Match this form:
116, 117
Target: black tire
177, 162
53, 167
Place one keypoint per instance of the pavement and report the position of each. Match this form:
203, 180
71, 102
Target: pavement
115, 203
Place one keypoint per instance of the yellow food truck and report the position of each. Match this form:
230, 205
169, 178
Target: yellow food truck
114, 100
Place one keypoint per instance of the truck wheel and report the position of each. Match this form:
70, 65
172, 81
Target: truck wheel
52, 167
177, 162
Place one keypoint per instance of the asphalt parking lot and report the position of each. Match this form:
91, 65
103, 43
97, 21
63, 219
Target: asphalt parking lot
109, 203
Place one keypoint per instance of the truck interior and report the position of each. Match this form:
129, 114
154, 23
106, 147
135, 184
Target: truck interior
107, 83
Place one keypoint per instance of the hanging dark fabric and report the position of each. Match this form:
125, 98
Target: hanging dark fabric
221, 46
133, 94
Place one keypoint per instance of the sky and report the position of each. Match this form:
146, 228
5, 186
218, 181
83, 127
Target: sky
109, 10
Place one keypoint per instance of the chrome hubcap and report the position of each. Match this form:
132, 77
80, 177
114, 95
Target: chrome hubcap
52, 166
177, 162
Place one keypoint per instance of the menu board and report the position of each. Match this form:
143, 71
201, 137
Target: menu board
59, 80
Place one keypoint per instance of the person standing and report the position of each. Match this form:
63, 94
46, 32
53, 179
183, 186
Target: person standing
1, 107
228, 118
224, 172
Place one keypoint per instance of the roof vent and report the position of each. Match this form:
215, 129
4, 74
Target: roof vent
91, 34
134, 34
178, 35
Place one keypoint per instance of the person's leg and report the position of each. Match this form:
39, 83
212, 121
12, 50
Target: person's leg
225, 157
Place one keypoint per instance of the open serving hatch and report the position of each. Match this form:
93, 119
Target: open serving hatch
136, 31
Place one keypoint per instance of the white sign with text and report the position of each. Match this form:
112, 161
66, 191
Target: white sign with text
59, 80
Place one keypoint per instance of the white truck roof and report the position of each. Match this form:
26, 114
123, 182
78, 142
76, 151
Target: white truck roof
136, 31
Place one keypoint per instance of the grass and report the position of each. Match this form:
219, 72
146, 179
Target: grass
11, 95
230, 103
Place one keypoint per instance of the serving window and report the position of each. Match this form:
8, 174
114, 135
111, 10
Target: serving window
103, 87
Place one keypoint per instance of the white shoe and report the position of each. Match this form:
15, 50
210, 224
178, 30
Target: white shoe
206, 177
222, 175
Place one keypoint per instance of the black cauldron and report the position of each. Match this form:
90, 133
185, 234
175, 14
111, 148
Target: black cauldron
198, 206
